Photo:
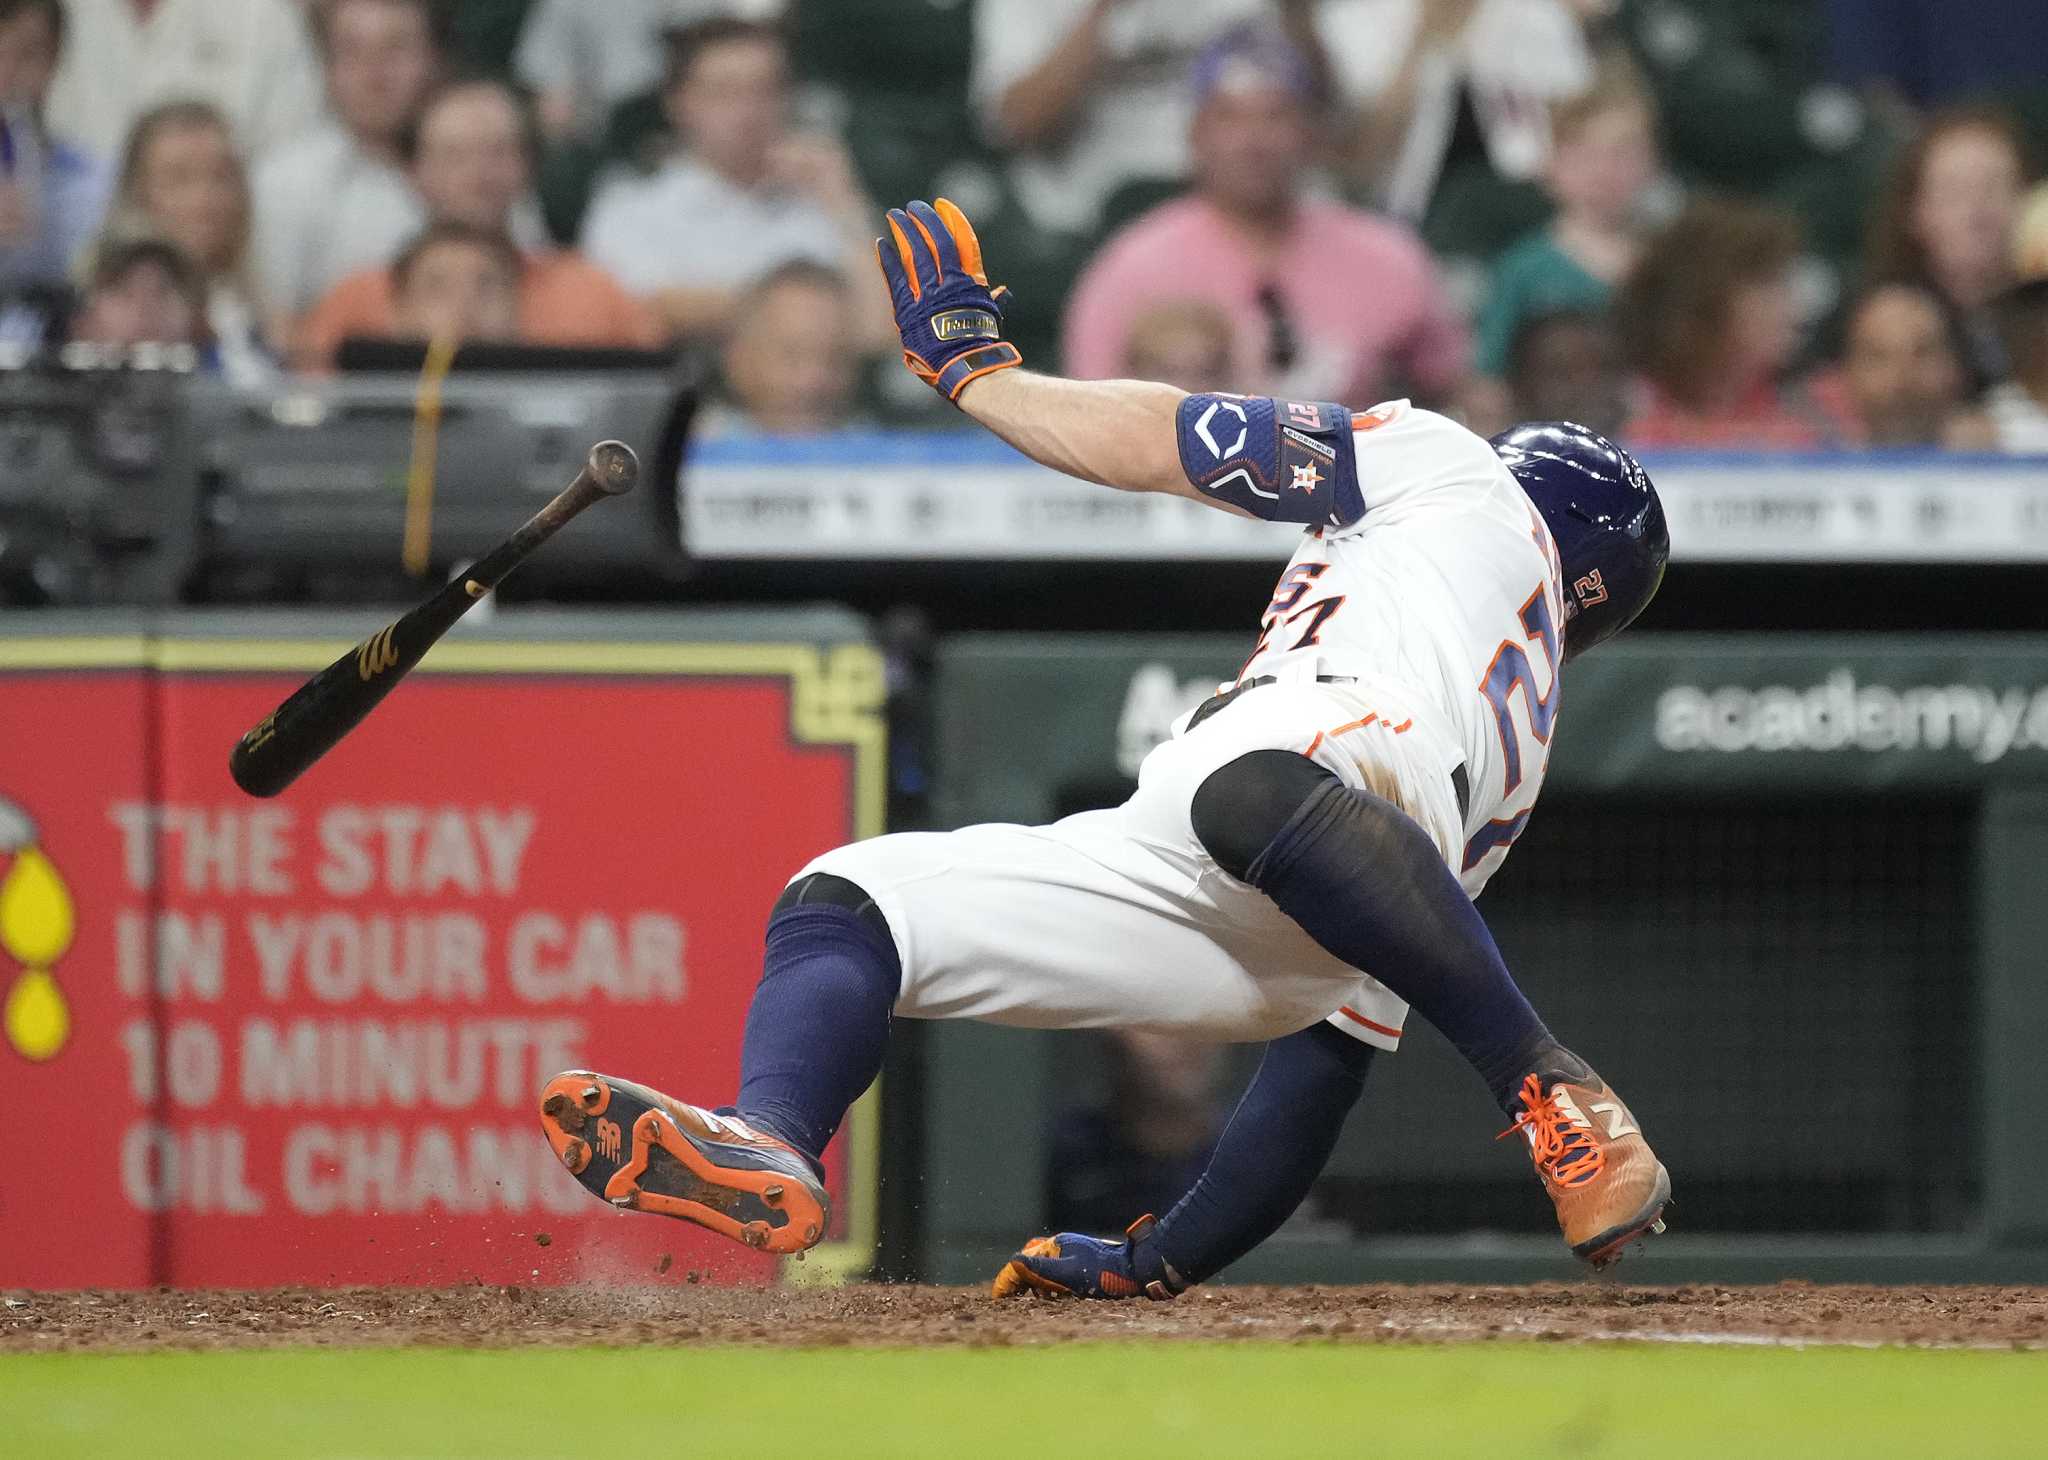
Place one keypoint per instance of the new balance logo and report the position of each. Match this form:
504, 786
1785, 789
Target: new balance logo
1617, 1120
608, 1138
1569, 1108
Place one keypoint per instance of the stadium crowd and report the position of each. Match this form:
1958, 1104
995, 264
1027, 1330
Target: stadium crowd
1742, 223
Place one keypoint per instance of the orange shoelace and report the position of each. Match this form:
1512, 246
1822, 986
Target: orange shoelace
1564, 1151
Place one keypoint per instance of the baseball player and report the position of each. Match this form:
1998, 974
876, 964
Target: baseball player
1297, 864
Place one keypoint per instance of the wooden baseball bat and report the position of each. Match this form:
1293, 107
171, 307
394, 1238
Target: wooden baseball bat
280, 746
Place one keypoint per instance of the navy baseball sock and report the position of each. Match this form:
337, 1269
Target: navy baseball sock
1368, 885
819, 1023
1276, 1144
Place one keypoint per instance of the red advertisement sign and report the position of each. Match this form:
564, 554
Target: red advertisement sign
258, 1042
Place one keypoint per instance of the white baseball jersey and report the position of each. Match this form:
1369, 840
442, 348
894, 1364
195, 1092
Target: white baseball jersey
1419, 644
1447, 598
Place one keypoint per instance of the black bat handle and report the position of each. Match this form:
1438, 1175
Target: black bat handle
611, 471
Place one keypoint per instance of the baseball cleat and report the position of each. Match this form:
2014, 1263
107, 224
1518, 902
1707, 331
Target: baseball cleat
642, 1151
1607, 1184
1073, 1265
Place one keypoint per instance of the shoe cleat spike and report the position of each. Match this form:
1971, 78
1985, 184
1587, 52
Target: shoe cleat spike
575, 1156
559, 1108
592, 1096
772, 1195
1658, 1226
755, 1234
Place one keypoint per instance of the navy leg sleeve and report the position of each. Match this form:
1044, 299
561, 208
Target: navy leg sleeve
819, 1023
1369, 886
1269, 1155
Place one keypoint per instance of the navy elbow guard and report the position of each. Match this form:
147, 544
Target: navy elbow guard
1285, 461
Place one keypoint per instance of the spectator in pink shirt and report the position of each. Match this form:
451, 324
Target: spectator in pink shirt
1326, 302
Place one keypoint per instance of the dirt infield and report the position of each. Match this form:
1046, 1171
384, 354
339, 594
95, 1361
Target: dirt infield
689, 1314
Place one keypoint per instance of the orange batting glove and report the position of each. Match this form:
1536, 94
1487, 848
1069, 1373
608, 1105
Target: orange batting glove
950, 320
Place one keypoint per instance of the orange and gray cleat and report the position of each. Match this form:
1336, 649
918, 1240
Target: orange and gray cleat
1607, 1184
642, 1151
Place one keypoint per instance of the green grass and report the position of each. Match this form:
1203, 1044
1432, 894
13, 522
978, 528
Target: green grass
1129, 1401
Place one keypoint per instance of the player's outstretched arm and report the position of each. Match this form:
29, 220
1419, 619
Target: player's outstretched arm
1284, 461
1119, 433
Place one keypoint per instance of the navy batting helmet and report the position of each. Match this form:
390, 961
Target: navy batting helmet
1605, 517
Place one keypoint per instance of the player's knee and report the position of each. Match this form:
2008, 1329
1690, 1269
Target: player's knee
825, 889
1239, 810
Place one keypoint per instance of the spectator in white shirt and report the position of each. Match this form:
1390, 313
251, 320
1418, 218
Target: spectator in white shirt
338, 198
252, 59
743, 195
1090, 95
1411, 67
583, 59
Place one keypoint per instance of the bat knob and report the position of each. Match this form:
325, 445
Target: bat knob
614, 467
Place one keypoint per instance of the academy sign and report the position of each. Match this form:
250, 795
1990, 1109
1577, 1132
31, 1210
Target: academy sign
1841, 714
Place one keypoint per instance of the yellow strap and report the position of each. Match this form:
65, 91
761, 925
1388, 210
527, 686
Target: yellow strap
426, 438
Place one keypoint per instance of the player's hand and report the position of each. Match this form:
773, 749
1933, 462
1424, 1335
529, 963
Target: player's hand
1071, 1265
950, 319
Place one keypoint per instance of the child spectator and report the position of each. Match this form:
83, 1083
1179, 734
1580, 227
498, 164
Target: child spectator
455, 283
1565, 366
743, 194
791, 362
1708, 323
2018, 408
51, 193
143, 292
1183, 342
1949, 214
1603, 155
471, 160
1904, 379
183, 181
337, 199
1326, 302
